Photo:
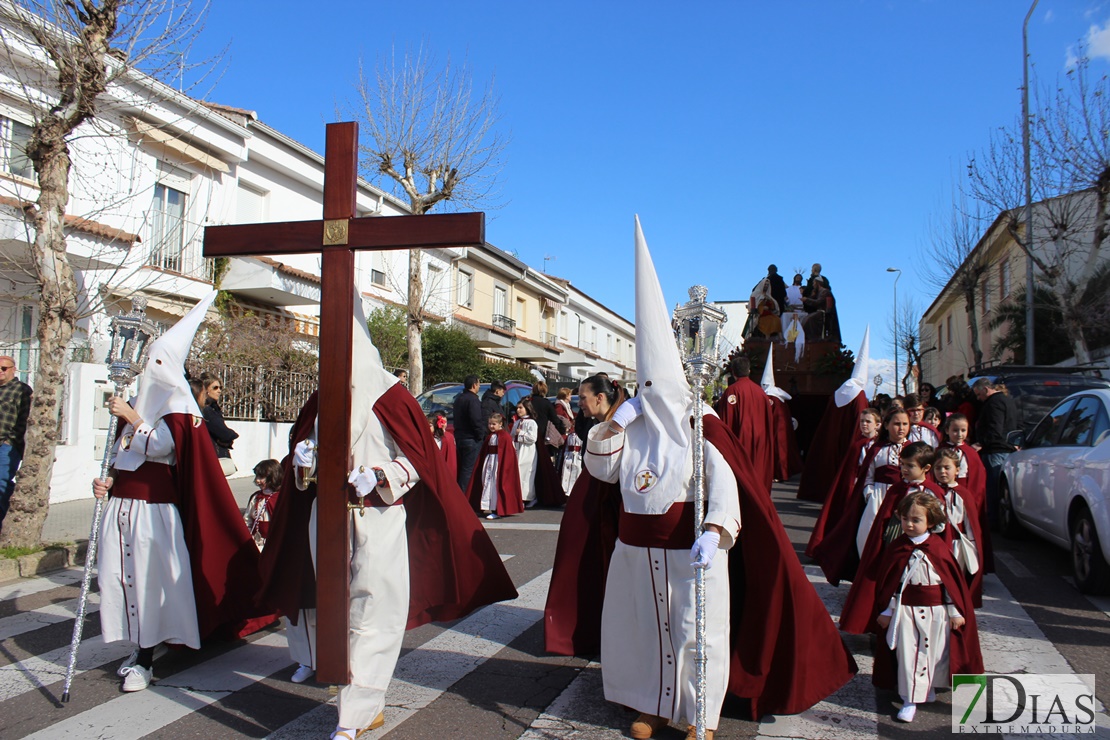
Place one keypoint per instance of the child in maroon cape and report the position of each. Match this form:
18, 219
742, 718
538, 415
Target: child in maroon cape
495, 483
263, 502
962, 510
444, 439
972, 476
923, 615
920, 430
836, 500
839, 552
916, 460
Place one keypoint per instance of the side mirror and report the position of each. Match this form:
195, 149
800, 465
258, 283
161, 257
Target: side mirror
1017, 439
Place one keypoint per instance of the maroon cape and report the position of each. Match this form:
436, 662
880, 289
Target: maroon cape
836, 500
786, 652
587, 536
509, 497
835, 432
975, 484
222, 555
963, 646
453, 566
973, 510
788, 462
745, 410
859, 605
549, 489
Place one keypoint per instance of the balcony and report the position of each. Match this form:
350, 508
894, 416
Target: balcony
504, 323
175, 246
548, 339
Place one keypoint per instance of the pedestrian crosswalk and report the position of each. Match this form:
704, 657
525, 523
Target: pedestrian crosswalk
243, 689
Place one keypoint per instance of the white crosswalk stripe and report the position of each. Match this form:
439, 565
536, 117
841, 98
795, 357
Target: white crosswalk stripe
30, 586
42, 670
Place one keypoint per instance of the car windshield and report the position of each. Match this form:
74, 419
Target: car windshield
440, 399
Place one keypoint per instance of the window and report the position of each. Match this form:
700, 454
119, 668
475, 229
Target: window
563, 325
250, 205
1086, 423
986, 296
1004, 279
167, 228
948, 327
466, 288
377, 269
617, 356
1045, 431
16, 136
521, 313
940, 337
500, 302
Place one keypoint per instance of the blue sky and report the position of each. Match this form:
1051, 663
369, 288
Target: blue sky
742, 133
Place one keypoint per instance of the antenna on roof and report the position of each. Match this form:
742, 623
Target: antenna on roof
547, 257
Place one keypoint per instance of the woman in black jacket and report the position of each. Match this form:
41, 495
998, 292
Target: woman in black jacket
545, 412
223, 437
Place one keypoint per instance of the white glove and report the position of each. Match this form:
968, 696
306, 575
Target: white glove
627, 412
365, 480
705, 547
304, 454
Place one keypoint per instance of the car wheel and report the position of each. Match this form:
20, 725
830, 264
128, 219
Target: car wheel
1008, 523
1092, 574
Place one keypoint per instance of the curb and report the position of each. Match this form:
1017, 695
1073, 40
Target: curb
53, 558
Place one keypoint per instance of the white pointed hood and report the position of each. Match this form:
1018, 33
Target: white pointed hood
162, 386
856, 384
768, 382
369, 379
659, 440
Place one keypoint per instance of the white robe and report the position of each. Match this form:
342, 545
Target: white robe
874, 493
525, 433
489, 478
143, 570
572, 462
379, 587
919, 635
648, 643
920, 433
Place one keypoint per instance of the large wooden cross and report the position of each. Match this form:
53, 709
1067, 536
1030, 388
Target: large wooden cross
337, 237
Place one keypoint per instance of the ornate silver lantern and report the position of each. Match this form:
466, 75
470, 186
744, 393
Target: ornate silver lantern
697, 326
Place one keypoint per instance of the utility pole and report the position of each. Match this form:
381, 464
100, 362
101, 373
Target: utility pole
1030, 354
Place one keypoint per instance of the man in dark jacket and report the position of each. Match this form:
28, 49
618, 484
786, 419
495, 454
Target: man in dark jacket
470, 429
491, 400
996, 419
778, 287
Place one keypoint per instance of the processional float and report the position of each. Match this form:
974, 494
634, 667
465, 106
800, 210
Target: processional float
697, 326
131, 335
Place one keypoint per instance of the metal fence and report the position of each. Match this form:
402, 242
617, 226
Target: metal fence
258, 393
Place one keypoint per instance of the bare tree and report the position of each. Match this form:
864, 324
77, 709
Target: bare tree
952, 260
903, 326
432, 139
71, 52
1070, 165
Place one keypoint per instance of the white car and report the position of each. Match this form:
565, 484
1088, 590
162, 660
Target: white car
1058, 483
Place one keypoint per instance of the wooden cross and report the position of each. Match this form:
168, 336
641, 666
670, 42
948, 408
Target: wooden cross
337, 237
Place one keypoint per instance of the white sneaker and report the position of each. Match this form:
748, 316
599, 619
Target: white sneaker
530, 504
906, 713
303, 673
492, 516
159, 651
137, 678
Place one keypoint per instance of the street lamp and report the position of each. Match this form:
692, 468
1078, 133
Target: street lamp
895, 269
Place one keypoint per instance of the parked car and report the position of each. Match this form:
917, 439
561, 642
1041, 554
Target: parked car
442, 398
1035, 390
1058, 483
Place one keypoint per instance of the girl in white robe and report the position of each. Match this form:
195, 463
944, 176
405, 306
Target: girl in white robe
920, 635
888, 457
525, 433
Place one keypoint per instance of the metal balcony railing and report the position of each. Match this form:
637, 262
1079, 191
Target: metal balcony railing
176, 245
504, 323
549, 340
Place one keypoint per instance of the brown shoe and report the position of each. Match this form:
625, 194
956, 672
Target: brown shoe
378, 722
646, 725
692, 733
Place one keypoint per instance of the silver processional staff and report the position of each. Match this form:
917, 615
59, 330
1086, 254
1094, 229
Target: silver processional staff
697, 328
131, 335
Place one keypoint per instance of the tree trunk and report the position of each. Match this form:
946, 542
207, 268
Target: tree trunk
415, 323
57, 317
973, 325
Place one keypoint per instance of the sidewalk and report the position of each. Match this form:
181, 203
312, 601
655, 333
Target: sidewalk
70, 522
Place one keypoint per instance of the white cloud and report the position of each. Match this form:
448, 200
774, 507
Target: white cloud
1098, 41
